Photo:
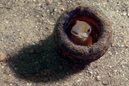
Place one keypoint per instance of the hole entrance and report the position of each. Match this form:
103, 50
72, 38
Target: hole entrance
92, 37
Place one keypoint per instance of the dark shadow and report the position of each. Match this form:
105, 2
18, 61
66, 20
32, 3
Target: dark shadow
43, 63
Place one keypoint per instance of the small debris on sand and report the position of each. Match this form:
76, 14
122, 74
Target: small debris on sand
3, 56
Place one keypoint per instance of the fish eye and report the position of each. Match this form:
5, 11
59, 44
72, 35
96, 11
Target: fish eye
88, 30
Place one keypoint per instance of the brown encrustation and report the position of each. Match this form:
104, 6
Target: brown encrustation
81, 52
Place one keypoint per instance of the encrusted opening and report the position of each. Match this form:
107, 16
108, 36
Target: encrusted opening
88, 18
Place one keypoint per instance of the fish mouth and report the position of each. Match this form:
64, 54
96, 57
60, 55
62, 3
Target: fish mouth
83, 36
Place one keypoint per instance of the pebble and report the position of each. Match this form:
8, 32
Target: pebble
10, 75
51, 23
6, 22
49, 2
110, 53
98, 78
62, 8
90, 73
10, 84
29, 84
54, 10
115, 71
124, 13
34, 0
2, 66
3, 56
128, 14
110, 74
78, 2
79, 80
105, 82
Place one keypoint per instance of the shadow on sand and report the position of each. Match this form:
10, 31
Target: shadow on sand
43, 63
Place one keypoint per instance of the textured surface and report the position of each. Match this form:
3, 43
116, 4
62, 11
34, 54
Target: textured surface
70, 49
26, 28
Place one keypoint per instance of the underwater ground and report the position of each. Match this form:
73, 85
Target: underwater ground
26, 42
